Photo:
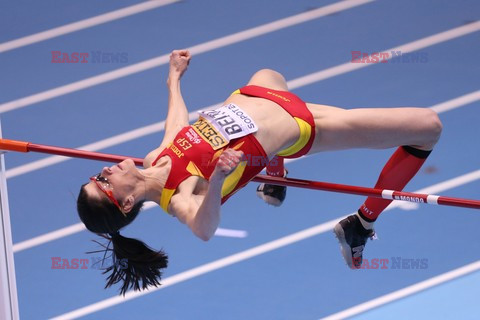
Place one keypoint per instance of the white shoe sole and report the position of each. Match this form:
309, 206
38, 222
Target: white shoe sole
344, 247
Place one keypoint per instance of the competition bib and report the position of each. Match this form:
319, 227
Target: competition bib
221, 125
209, 133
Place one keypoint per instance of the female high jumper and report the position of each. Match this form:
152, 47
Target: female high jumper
198, 167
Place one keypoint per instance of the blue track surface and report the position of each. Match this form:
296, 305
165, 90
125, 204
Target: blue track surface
303, 280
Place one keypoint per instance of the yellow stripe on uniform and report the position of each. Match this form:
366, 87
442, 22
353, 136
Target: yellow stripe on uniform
233, 178
193, 169
305, 133
165, 198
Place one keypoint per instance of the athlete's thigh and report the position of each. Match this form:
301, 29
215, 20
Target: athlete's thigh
269, 79
376, 128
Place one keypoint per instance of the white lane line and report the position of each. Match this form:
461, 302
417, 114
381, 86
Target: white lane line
47, 237
197, 49
78, 227
402, 293
454, 103
220, 232
159, 126
250, 253
405, 48
83, 24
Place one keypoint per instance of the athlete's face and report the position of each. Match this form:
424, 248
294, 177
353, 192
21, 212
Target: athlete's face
113, 182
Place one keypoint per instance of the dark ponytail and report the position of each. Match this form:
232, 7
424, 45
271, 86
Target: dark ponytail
133, 261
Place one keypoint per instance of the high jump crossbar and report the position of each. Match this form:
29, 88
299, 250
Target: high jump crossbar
22, 146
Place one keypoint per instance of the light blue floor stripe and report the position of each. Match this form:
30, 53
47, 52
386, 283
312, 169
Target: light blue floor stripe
457, 299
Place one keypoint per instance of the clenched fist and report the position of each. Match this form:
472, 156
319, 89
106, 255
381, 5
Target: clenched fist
227, 162
179, 60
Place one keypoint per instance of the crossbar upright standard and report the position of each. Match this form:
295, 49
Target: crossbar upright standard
8, 284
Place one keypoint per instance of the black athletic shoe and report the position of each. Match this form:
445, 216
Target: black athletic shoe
272, 194
352, 237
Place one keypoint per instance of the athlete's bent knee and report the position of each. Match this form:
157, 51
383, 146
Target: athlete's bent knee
433, 127
269, 78
268, 73
436, 124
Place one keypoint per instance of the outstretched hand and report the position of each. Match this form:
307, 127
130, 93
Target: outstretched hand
179, 60
227, 162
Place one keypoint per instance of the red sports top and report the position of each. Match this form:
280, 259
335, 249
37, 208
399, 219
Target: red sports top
195, 152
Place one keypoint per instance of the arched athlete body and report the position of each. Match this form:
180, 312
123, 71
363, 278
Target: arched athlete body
197, 167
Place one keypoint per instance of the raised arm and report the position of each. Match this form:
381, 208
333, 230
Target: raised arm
177, 116
202, 213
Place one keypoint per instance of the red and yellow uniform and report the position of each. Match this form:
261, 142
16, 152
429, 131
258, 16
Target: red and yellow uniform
192, 153
197, 148
296, 108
